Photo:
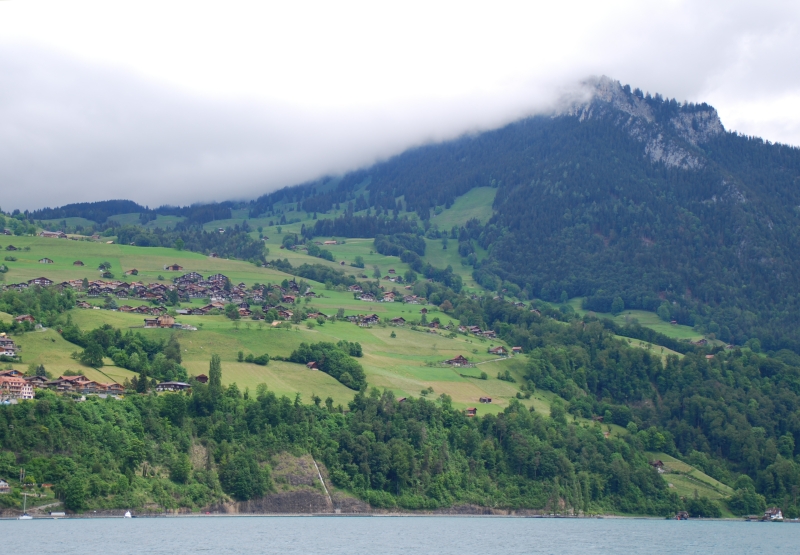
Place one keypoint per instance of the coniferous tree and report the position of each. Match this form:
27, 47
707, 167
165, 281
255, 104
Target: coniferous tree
141, 382
215, 377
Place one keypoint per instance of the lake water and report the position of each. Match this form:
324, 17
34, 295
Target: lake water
393, 536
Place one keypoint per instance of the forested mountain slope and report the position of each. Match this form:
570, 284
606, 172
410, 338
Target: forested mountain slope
627, 196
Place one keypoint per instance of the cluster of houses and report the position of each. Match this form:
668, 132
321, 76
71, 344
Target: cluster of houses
388, 296
503, 352
217, 288
364, 320
7, 346
14, 385
77, 384
476, 330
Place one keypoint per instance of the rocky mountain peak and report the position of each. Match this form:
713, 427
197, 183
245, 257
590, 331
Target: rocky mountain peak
670, 131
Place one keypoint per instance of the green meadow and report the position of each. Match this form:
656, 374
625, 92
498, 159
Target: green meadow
477, 203
646, 319
406, 364
688, 481
162, 221
149, 261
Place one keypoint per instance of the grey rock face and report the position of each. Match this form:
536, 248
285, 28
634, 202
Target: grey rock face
670, 141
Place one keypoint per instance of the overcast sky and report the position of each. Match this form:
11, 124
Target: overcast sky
179, 102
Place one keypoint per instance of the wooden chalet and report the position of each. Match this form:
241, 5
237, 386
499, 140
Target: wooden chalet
459, 362
369, 320
499, 351
36, 381
41, 281
53, 234
173, 386
164, 321
471, 411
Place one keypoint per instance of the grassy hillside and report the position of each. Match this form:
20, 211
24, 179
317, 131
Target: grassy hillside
399, 363
645, 318
477, 203
150, 261
162, 221
402, 364
71, 222
689, 482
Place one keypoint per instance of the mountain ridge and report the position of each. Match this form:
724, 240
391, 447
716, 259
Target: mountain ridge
618, 195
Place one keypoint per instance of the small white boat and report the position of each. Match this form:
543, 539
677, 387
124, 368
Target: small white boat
127, 514
25, 515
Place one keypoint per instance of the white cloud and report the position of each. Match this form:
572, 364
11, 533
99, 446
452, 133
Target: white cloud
187, 101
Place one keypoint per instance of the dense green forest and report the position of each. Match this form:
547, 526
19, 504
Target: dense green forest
334, 360
582, 211
153, 360
735, 414
103, 210
417, 454
235, 242
45, 304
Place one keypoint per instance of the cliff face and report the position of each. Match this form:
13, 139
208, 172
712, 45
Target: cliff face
669, 136
298, 490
